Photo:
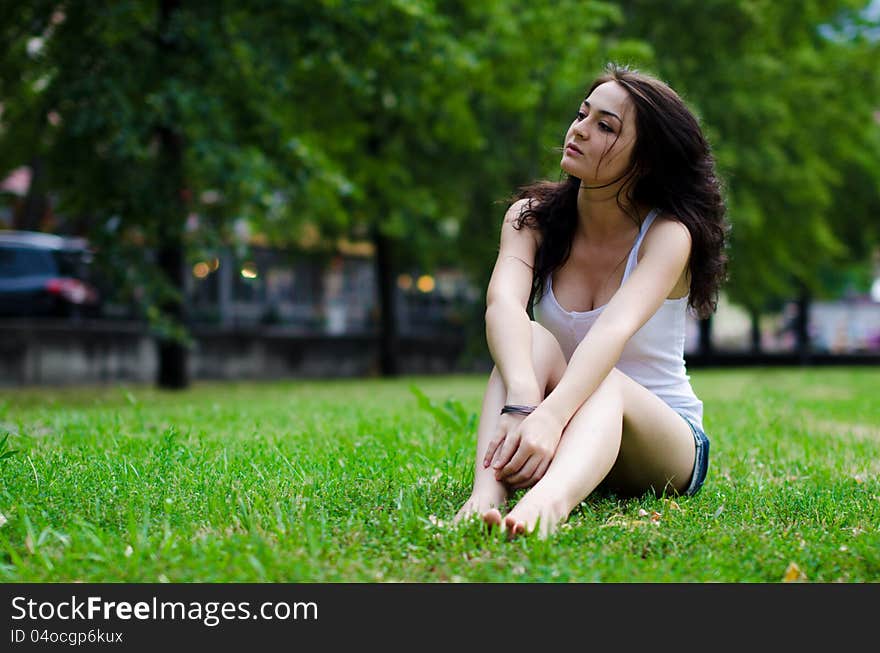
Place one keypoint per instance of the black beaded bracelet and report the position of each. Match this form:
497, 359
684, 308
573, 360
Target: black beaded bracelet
519, 410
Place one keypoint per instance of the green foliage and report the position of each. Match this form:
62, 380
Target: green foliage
790, 111
408, 119
537, 59
418, 119
5, 451
451, 414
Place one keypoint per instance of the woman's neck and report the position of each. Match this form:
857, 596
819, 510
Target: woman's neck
601, 219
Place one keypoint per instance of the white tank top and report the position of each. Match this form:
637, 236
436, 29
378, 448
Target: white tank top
653, 356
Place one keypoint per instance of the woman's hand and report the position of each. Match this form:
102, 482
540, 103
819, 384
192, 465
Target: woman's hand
524, 447
506, 431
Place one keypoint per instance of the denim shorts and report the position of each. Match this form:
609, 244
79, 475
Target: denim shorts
701, 463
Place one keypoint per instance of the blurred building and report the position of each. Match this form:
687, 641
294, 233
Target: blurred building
302, 294
298, 291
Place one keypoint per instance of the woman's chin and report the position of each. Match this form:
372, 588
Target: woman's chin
566, 166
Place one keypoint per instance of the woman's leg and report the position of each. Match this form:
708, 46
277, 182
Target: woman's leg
549, 364
623, 432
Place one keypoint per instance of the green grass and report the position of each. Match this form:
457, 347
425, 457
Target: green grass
351, 481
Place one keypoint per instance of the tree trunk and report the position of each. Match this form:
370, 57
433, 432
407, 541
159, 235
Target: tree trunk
173, 370
385, 281
802, 326
173, 355
755, 317
704, 346
388, 337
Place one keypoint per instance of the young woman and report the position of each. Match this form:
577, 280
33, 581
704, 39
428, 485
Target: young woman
595, 391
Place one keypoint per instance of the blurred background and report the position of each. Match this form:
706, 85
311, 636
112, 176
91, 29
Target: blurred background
228, 190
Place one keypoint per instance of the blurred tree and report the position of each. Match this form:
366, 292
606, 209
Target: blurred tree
137, 109
788, 94
537, 59
402, 122
441, 108
409, 122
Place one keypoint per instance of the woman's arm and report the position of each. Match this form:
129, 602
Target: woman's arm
508, 332
666, 251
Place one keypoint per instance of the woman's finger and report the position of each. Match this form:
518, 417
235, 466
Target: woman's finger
536, 476
490, 451
525, 472
514, 464
504, 453
541, 470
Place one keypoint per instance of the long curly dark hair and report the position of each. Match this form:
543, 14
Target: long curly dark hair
672, 169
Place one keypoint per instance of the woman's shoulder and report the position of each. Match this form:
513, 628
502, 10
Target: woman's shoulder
516, 210
666, 235
516, 219
667, 227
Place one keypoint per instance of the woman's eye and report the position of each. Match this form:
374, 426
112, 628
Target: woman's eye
605, 128
581, 115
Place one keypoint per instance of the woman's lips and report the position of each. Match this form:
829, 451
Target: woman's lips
571, 148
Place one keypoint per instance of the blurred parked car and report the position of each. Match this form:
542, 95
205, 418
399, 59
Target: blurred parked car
46, 275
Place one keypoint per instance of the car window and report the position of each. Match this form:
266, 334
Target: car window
25, 262
73, 264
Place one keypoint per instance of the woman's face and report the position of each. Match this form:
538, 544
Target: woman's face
599, 143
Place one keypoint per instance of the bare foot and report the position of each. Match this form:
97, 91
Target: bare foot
492, 518
529, 515
480, 502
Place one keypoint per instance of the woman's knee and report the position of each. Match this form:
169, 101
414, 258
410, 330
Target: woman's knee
614, 383
545, 342
547, 356
548, 361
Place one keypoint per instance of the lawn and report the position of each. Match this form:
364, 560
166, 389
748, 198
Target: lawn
356, 480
